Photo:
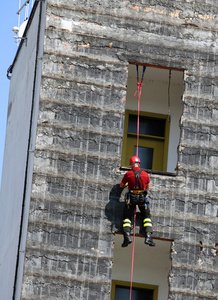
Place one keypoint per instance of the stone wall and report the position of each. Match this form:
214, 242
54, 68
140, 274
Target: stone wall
76, 204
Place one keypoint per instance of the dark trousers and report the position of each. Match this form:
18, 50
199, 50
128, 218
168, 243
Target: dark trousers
146, 217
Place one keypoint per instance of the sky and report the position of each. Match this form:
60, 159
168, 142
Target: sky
8, 49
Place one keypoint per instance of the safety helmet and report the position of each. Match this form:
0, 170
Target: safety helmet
134, 159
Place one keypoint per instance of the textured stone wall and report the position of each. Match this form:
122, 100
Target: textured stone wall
76, 204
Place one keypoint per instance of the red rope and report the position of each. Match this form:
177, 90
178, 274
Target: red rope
138, 95
133, 251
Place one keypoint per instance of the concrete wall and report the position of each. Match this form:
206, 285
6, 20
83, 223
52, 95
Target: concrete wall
75, 202
18, 159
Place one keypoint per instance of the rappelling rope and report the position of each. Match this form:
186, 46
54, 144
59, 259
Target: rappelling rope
169, 82
133, 250
136, 95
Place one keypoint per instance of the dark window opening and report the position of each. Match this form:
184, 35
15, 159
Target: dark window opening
146, 155
122, 293
147, 126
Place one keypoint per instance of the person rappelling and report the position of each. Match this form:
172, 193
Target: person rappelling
138, 182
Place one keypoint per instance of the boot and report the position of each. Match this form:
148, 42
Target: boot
127, 239
148, 240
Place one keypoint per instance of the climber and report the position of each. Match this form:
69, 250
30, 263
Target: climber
138, 184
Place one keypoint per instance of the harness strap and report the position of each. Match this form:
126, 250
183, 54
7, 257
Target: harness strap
137, 192
138, 181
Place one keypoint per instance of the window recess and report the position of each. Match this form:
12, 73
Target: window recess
160, 112
151, 270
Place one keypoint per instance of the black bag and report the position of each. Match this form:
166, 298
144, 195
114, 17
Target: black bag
138, 199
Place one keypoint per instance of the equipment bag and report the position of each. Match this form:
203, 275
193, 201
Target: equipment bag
138, 199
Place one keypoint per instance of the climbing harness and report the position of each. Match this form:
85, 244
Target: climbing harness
138, 95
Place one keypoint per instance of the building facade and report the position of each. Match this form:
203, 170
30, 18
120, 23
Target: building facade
69, 137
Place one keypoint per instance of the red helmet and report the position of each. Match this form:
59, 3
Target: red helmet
134, 159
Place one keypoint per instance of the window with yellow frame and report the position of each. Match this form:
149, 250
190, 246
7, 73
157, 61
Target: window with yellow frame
120, 291
153, 139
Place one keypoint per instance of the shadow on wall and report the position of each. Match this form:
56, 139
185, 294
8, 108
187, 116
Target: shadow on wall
114, 211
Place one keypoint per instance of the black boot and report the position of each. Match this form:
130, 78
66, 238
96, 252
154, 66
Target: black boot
148, 240
127, 239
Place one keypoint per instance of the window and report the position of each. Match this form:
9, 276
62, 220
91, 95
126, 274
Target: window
160, 112
121, 289
151, 269
153, 140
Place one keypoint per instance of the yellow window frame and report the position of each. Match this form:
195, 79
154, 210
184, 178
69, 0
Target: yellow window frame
134, 285
159, 144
